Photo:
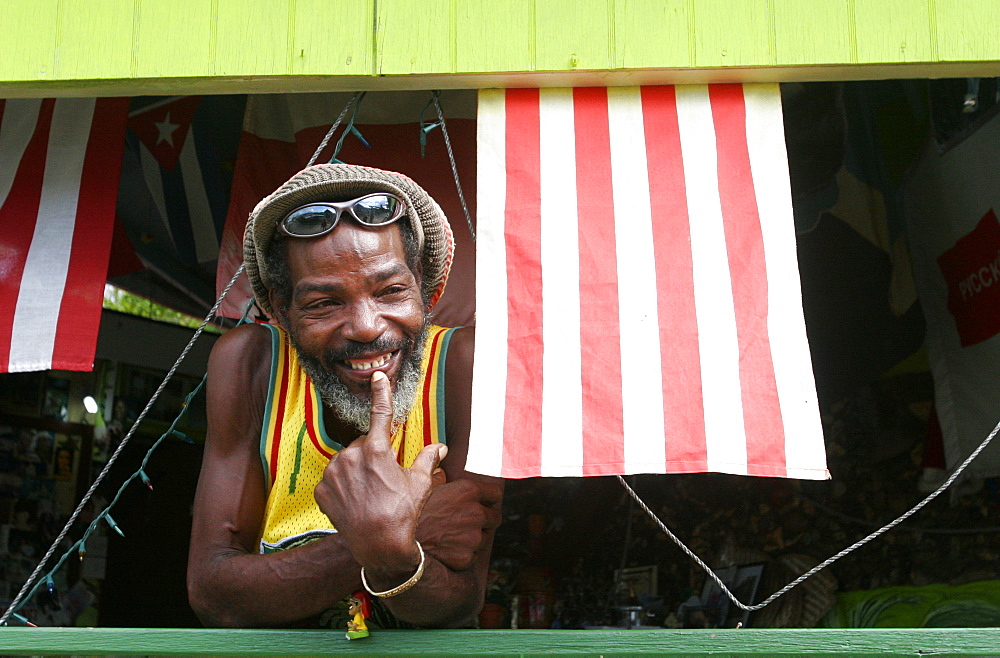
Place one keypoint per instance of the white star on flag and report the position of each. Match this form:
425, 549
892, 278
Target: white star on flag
166, 130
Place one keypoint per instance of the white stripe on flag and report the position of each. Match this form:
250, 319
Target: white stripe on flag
720, 357
804, 445
642, 389
206, 244
20, 117
490, 367
562, 388
40, 297
154, 181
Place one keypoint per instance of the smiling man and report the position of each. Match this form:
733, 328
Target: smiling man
334, 463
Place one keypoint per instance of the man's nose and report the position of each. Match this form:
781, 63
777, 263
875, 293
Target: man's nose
365, 323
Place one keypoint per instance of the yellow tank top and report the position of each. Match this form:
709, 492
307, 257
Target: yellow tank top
294, 447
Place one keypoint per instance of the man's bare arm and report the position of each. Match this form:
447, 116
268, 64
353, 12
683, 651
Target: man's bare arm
229, 583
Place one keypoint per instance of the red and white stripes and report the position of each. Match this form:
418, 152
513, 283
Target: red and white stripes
59, 166
637, 286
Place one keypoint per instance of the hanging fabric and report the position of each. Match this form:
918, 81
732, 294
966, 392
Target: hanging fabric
59, 166
638, 296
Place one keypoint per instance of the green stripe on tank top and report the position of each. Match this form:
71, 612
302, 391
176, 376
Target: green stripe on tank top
298, 460
271, 387
442, 428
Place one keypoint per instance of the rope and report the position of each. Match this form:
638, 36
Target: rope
822, 565
451, 159
121, 446
333, 128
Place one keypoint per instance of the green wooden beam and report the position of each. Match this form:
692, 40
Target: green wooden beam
105, 47
748, 642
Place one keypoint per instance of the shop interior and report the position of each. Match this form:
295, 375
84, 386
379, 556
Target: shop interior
580, 552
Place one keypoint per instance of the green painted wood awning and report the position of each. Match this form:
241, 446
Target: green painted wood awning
114, 47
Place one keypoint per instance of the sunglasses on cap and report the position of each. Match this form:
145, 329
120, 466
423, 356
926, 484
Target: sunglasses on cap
319, 218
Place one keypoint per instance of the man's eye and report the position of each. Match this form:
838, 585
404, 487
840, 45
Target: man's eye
394, 290
320, 303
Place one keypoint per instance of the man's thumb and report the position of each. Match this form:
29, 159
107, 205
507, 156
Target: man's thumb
428, 458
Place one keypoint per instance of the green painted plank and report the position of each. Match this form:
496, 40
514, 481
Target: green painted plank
574, 35
733, 33
653, 34
170, 41
414, 37
897, 31
748, 642
968, 31
332, 42
251, 38
79, 55
496, 36
65, 47
27, 50
815, 32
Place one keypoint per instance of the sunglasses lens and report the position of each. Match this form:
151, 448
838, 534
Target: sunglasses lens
376, 209
311, 220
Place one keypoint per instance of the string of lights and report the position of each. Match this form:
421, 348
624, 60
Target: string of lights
79, 547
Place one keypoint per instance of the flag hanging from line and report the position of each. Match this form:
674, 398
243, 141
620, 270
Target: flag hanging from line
59, 166
182, 173
637, 290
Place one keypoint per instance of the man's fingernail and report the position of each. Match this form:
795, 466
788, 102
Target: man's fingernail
378, 376
443, 451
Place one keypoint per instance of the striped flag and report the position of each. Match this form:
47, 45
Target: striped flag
638, 296
59, 166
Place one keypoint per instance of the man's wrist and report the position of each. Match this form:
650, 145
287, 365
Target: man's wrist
388, 568
402, 587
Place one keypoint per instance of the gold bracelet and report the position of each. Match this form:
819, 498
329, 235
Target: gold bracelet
402, 588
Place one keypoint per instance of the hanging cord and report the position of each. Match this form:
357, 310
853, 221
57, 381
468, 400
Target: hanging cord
822, 565
329, 134
436, 99
350, 129
121, 446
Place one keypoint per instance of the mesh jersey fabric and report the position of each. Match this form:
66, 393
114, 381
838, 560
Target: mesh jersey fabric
294, 446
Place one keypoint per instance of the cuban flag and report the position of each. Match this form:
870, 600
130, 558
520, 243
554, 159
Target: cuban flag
59, 165
181, 171
638, 297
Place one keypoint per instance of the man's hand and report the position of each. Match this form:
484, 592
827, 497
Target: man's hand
456, 521
373, 502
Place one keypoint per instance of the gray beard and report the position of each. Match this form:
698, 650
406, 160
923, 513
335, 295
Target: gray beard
356, 410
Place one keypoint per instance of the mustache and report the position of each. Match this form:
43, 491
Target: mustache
358, 350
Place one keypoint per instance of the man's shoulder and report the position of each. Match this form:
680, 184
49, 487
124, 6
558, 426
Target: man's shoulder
461, 344
243, 352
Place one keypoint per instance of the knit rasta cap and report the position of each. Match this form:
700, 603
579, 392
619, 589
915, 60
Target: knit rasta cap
338, 182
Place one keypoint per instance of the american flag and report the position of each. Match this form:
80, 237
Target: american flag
638, 296
59, 166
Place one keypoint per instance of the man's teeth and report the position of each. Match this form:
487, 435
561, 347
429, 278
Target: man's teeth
381, 361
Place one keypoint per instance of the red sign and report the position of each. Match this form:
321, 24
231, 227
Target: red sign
971, 269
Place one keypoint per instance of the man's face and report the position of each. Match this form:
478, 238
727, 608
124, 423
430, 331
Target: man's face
356, 308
